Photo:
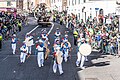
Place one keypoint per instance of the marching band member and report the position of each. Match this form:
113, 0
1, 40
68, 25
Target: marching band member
65, 38
66, 48
29, 43
58, 57
45, 38
46, 44
41, 50
80, 57
24, 52
13, 43
57, 33
75, 34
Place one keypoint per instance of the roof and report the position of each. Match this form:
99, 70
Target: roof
102, 0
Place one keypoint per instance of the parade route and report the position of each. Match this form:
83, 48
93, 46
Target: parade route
98, 67
59, 39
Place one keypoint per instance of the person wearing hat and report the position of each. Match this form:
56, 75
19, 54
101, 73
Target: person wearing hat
13, 43
75, 34
41, 50
66, 48
57, 33
19, 25
65, 38
61, 21
24, 52
80, 58
57, 53
29, 43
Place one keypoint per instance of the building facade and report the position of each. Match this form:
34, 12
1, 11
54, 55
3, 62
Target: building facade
91, 8
59, 5
8, 3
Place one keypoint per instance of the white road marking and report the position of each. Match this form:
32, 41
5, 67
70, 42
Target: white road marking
51, 28
4, 59
33, 29
42, 29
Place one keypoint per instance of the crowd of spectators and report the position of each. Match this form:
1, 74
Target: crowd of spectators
10, 24
101, 33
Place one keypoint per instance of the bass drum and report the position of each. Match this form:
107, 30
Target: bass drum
85, 49
59, 57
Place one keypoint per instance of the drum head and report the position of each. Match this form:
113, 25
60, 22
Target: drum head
59, 57
85, 49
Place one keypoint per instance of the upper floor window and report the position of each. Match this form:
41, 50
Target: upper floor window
69, 2
8, 3
72, 2
75, 2
84, 1
78, 1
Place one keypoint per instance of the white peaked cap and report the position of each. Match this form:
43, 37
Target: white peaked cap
58, 48
66, 35
14, 35
40, 40
44, 36
82, 39
24, 42
57, 28
65, 40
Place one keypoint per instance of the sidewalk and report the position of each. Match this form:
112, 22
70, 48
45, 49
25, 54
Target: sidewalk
104, 68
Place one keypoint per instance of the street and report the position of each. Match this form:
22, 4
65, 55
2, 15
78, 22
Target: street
11, 69
97, 65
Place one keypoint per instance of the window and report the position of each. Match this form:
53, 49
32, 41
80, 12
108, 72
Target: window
78, 1
78, 15
8, 3
69, 2
75, 2
84, 1
72, 2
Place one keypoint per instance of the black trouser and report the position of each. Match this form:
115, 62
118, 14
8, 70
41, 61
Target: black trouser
75, 41
60, 22
0, 44
19, 28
